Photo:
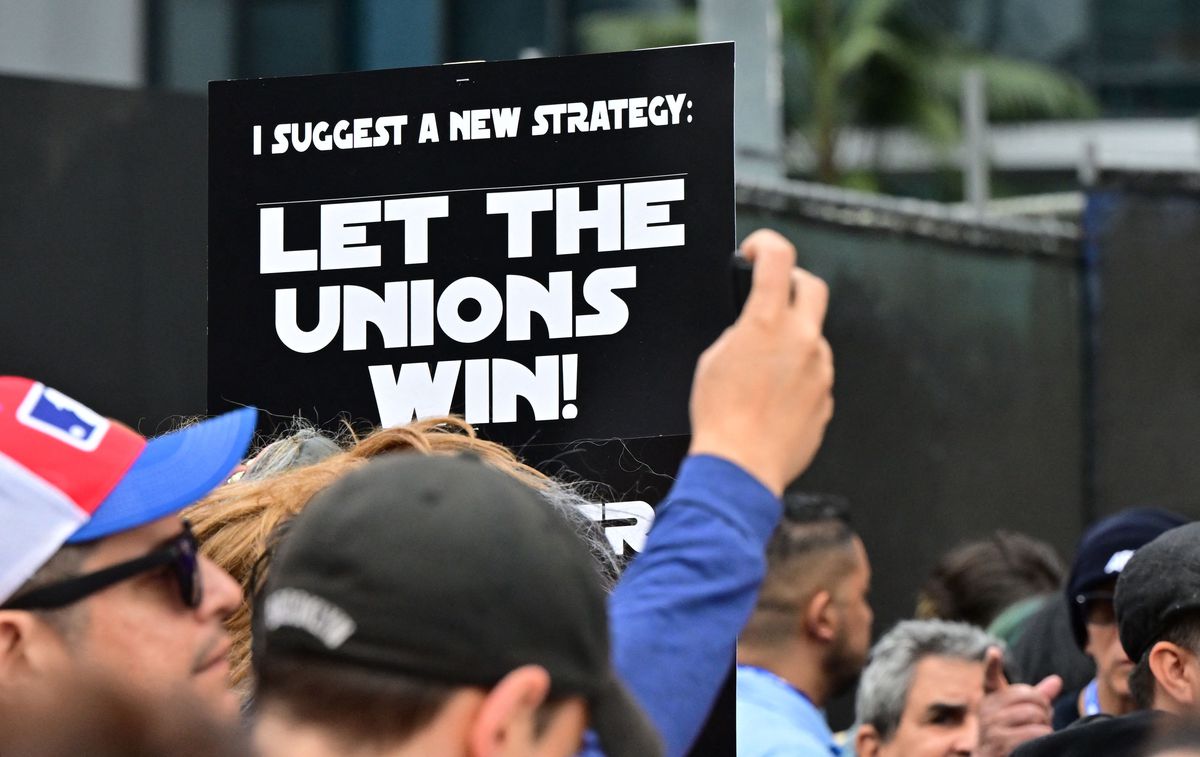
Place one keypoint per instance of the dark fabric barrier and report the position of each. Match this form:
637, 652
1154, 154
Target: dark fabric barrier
103, 197
1144, 274
958, 389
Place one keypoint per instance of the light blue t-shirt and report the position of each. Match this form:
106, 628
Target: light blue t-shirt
774, 719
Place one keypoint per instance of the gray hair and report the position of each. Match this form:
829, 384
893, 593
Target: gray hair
571, 503
303, 444
883, 688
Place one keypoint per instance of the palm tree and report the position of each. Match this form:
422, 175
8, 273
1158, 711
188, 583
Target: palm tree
868, 62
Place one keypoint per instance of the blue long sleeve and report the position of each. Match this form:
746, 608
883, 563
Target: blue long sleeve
676, 613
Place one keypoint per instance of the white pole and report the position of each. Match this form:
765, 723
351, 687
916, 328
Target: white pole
758, 79
975, 140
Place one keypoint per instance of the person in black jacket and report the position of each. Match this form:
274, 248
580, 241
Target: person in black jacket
1157, 606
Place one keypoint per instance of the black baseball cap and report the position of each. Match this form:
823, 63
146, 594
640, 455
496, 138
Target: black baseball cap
445, 569
1160, 582
1104, 551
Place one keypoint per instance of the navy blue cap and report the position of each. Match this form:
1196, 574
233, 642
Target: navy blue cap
1104, 550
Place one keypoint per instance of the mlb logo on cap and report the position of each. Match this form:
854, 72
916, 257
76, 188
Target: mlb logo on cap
68, 474
54, 413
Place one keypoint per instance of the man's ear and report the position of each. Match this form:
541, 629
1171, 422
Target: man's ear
26, 644
867, 741
819, 620
506, 718
1175, 672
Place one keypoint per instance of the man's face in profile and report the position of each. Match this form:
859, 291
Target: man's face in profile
1104, 643
941, 712
140, 631
853, 644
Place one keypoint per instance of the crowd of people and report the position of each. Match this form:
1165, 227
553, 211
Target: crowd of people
422, 591
1009, 653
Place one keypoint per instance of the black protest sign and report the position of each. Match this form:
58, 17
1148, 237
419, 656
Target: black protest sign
541, 246
538, 245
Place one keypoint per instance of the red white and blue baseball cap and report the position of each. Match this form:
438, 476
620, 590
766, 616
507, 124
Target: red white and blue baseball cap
69, 475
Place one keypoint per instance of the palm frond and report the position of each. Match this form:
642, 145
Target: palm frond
1016, 89
866, 43
868, 14
937, 121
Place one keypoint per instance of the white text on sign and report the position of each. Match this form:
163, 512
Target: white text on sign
422, 312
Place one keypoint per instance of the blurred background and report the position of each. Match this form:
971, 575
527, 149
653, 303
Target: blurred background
1003, 194
874, 94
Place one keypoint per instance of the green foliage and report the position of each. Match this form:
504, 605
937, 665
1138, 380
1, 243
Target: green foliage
1017, 89
611, 31
870, 63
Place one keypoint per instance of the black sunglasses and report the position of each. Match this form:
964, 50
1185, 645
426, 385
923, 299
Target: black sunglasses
179, 553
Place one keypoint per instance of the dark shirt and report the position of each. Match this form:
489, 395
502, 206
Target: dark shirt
1066, 710
1123, 736
1047, 645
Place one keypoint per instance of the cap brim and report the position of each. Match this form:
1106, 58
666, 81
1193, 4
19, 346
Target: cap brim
622, 727
173, 471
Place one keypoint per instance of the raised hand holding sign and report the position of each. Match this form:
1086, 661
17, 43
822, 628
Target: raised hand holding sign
763, 391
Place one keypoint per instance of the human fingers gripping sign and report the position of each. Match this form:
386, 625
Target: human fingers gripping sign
762, 392
805, 304
774, 260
